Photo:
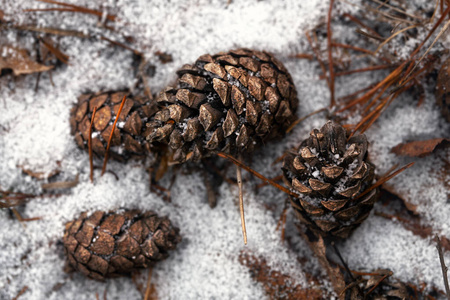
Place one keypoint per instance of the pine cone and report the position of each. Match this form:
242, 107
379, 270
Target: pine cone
114, 244
379, 285
129, 135
329, 173
443, 89
230, 102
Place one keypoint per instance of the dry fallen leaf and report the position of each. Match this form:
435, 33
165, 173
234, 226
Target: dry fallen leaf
19, 61
420, 148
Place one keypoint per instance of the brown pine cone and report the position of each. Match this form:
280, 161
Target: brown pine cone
329, 173
129, 135
116, 243
379, 285
232, 102
443, 89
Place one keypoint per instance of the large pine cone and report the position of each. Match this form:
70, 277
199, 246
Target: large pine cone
230, 102
443, 89
128, 140
114, 244
329, 173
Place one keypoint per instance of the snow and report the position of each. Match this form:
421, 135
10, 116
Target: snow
35, 134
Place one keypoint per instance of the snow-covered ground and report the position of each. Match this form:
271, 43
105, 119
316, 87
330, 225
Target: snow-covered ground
35, 135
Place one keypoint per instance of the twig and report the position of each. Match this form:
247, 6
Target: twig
241, 202
105, 161
443, 266
250, 170
91, 161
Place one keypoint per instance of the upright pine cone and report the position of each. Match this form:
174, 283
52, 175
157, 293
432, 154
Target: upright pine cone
230, 102
115, 243
330, 173
443, 89
128, 140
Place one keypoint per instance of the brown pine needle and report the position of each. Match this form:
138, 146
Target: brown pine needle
55, 51
253, 172
148, 289
72, 8
105, 161
360, 23
91, 161
21, 292
317, 55
303, 56
383, 180
393, 36
298, 121
263, 184
241, 202
330, 55
351, 47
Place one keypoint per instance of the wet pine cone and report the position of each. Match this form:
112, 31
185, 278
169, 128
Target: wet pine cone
231, 102
443, 89
128, 140
114, 244
329, 173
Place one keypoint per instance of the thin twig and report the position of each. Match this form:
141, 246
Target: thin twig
105, 161
443, 266
241, 202
91, 161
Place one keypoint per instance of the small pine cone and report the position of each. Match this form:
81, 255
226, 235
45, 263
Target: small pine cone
443, 89
128, 140
329, 173
232, 102
116, 243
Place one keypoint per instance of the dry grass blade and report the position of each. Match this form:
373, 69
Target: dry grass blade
253, 172
91, 161
105, 161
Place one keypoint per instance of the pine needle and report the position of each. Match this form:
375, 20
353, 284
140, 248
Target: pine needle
91, 162
105, 161
241, 202
253, 172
